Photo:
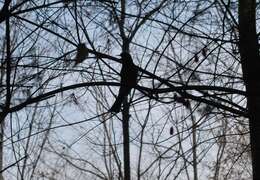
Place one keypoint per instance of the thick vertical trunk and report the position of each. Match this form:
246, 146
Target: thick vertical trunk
248, 45
125, 119
2, 118
125, 124
1, 149
194, 146
5, 15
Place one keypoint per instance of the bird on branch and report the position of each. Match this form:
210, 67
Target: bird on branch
129, 73
82, 53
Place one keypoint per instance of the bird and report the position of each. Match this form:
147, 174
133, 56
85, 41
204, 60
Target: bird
82, 53
128, 73
181, 100
67, 2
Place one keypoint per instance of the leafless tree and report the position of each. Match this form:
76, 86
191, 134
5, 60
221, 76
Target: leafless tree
186, 118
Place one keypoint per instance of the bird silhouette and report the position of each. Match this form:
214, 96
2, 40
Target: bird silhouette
128, 75
82, 53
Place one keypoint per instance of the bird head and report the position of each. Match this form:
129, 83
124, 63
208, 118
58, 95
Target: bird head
126, 57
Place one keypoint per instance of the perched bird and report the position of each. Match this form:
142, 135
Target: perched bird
82, 53
182, 100
67, 2
128, 75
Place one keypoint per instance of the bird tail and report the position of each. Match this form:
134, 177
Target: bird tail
117, 105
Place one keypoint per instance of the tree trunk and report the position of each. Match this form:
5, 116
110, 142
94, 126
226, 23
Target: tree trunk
248, 46
1, 149
125, 123
2, 118
194, 145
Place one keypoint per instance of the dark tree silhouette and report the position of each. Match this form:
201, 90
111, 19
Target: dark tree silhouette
128, 80
189, 57
249, 52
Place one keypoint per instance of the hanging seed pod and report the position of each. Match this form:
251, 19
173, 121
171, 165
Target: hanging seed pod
171, 130
196, 58
204, 51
